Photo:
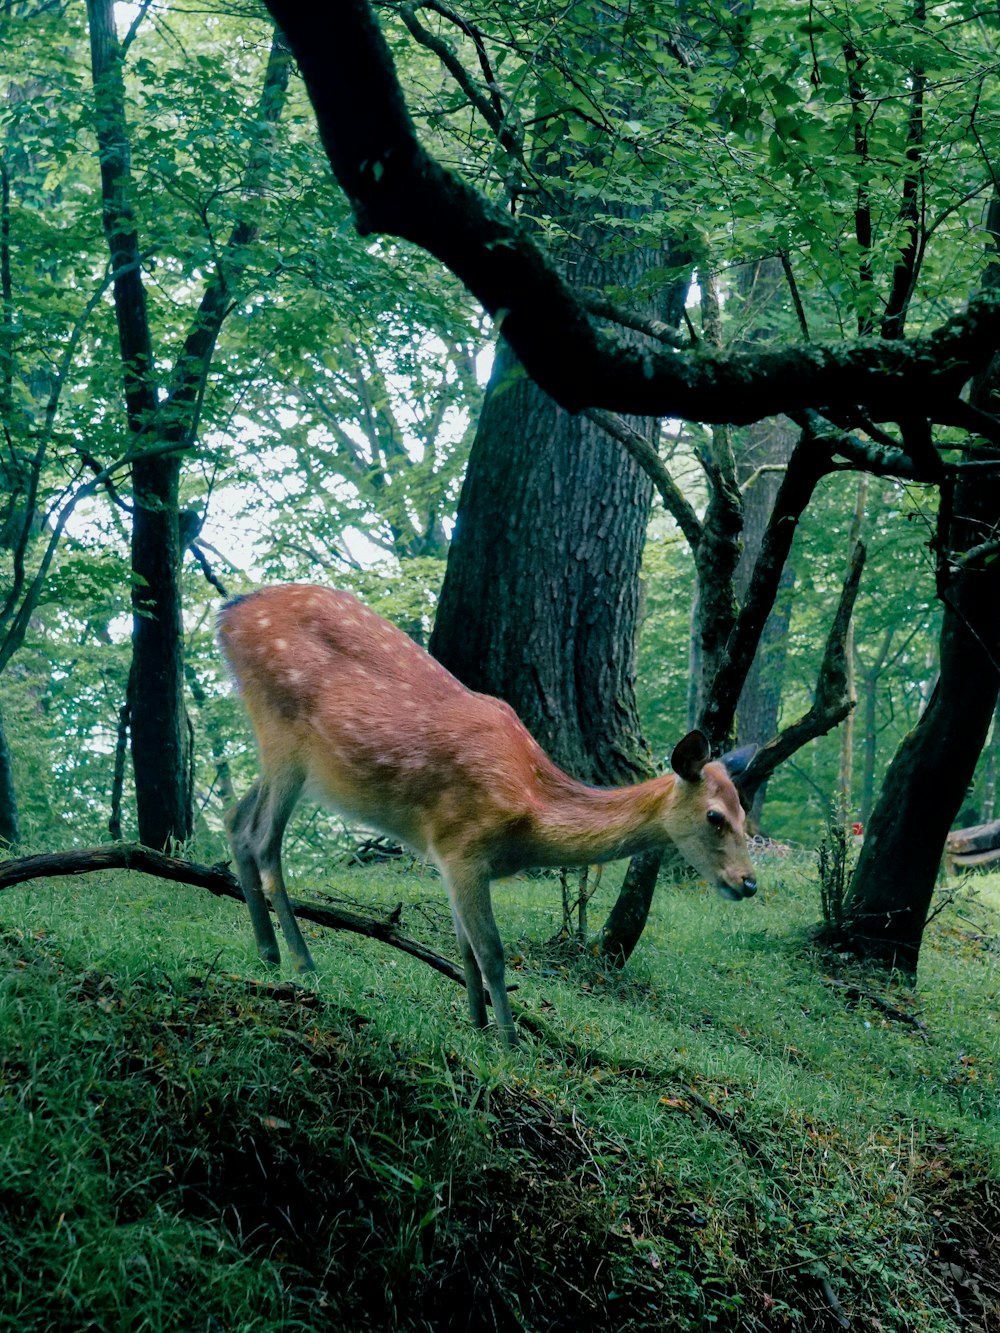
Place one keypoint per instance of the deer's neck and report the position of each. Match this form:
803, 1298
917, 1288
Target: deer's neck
578, 825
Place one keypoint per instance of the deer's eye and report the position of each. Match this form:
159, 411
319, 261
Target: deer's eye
717, 819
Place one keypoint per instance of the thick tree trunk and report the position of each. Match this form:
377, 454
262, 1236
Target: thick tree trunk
10, 828
541, 594
540, 599
928, 779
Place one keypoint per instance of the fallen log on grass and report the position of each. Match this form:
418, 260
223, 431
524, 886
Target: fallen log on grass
218, 880
978, 845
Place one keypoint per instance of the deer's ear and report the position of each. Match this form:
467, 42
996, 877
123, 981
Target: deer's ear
690, 756
737, 761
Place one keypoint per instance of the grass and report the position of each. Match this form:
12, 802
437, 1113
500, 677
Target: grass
739, 1132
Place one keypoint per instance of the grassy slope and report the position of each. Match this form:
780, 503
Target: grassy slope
729, 1136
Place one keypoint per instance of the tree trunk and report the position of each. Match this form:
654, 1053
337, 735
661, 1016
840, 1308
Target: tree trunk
541, 594
161, 730
988, 801
159, 725
869, 716
540, 601
928, 779
10, 828
161, 758
768, 444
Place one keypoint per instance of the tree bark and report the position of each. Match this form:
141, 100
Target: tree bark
10, 828
768, 444
540, 598
159, 726
886, 906
928, 778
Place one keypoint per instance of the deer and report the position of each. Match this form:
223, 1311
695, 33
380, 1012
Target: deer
349, 709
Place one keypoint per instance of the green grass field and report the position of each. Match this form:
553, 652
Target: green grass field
739, 1132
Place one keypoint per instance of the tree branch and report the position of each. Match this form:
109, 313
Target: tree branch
219, 881
397, 188
832, 699
19, 624
809, 462
182, 408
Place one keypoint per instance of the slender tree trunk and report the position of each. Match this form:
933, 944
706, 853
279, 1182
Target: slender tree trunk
10, 828
767, 444
161, 757
988, 803
162, 750
869, 718
846, 778
806, 465
159, 725
928, 779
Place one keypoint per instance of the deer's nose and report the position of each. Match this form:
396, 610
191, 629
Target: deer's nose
749, 886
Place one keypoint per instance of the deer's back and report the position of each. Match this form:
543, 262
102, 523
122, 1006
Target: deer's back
377, 727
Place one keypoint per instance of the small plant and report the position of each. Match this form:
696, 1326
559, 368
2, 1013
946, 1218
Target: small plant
837, 857
577, 906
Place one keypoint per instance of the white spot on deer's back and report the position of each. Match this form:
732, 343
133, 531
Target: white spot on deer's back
263, 621
281, 644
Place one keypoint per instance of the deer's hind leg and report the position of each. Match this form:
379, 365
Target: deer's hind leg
256, 827
480, 945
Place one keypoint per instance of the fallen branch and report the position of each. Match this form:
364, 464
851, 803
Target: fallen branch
858, 993
218, 880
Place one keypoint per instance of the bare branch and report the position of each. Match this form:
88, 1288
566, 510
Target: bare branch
832, 701
219, 881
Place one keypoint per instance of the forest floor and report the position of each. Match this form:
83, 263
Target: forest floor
741, 1132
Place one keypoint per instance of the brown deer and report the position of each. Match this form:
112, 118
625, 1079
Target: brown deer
348, 708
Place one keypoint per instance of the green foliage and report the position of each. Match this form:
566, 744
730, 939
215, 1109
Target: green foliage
682, 1146
340, 401
835, 865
